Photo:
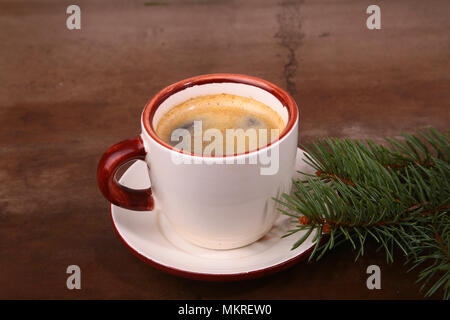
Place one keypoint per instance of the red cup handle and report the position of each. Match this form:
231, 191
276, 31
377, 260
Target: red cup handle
116, 193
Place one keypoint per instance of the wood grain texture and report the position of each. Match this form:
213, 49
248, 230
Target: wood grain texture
66, 96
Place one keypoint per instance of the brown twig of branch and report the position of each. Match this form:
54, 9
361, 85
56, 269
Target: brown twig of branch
327, 223
415, 163
329, 175
439, 240
334, 177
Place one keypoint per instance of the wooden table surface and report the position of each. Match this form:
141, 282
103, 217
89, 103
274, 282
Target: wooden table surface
67, 95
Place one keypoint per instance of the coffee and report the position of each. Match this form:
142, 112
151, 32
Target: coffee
220, 124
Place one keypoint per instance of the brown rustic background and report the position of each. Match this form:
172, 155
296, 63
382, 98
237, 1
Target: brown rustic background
66, 96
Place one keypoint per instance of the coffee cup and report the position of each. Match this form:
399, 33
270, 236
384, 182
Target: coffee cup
216, 202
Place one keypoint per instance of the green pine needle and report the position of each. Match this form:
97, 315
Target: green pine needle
398, 196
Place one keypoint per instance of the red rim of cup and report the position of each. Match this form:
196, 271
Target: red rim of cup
153, 104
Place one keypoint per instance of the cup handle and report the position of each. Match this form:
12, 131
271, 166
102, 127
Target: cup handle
112, 159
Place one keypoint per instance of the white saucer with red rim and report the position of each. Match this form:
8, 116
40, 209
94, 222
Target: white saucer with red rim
149, 236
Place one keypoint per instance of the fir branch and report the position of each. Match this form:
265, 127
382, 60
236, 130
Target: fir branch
397, 196
431, 249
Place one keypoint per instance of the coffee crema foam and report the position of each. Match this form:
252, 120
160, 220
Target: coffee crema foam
221, 124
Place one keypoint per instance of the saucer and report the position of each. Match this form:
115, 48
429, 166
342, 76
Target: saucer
149, 236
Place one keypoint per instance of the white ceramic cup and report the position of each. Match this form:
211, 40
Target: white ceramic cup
215, 202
